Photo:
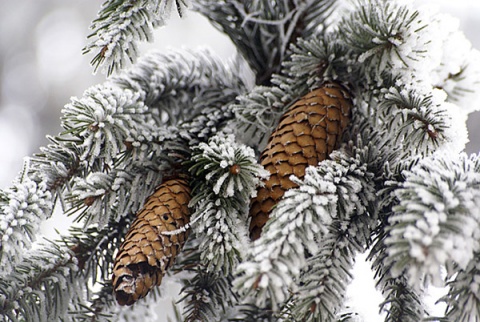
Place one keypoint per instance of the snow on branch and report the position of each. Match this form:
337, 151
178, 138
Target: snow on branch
45, 285
418, 122
314, 60
206, 296
171, 81
325, 277
463, 298
23, 207
228, 166
386, 34
402, 302
112, 130
257, 112
103, 120
121, 24
329, 196
226, 175
435, 222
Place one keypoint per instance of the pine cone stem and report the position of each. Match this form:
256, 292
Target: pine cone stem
306, 134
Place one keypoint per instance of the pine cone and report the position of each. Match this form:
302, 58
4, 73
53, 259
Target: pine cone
146, 254
306, 134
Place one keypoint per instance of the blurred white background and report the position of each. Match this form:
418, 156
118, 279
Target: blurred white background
42, 66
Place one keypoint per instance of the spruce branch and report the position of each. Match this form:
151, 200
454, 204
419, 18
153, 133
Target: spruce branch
228, 167
263, 30
434, 223
227, 175
224, 233
418, 122
331, 194
111, 129
56, 164
121, 24
277, 256
42, 287
206, 295
94, 248
463, 296
325, 278
257, 112
384, 35
171, 81
402, 301
23, 207
313, 61
103, 120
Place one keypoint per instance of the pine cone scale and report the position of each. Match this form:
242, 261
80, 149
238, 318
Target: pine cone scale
146, 254
306, 134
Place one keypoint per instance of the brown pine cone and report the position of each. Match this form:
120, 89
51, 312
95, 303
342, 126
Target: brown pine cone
146, 254
306, 134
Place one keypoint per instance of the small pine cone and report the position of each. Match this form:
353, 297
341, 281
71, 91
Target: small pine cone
146, 253
306, 134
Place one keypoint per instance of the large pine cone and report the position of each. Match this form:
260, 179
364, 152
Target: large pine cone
307, 133
146, 253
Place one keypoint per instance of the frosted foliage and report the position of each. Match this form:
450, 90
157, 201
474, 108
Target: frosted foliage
229, 166
459, 70
328, 196
163, 74
230, 174
258, 112
104, 119
393, 36
42, 284
298, 221
91, 190
324, 280
29, 203
422, 121
224, 235
419, 48
121, 25
463, 298
436, 221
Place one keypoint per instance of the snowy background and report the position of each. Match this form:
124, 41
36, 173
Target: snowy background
41, 67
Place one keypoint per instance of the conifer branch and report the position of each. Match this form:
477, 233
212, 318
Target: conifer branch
398, 181
325, 278
463, 296
121, 24
263, 30
207, 295
227, 175
416, 118
42, 287
433, 224
402, 301
333, 193
381, 34
257, 112
313, 61
23, 207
